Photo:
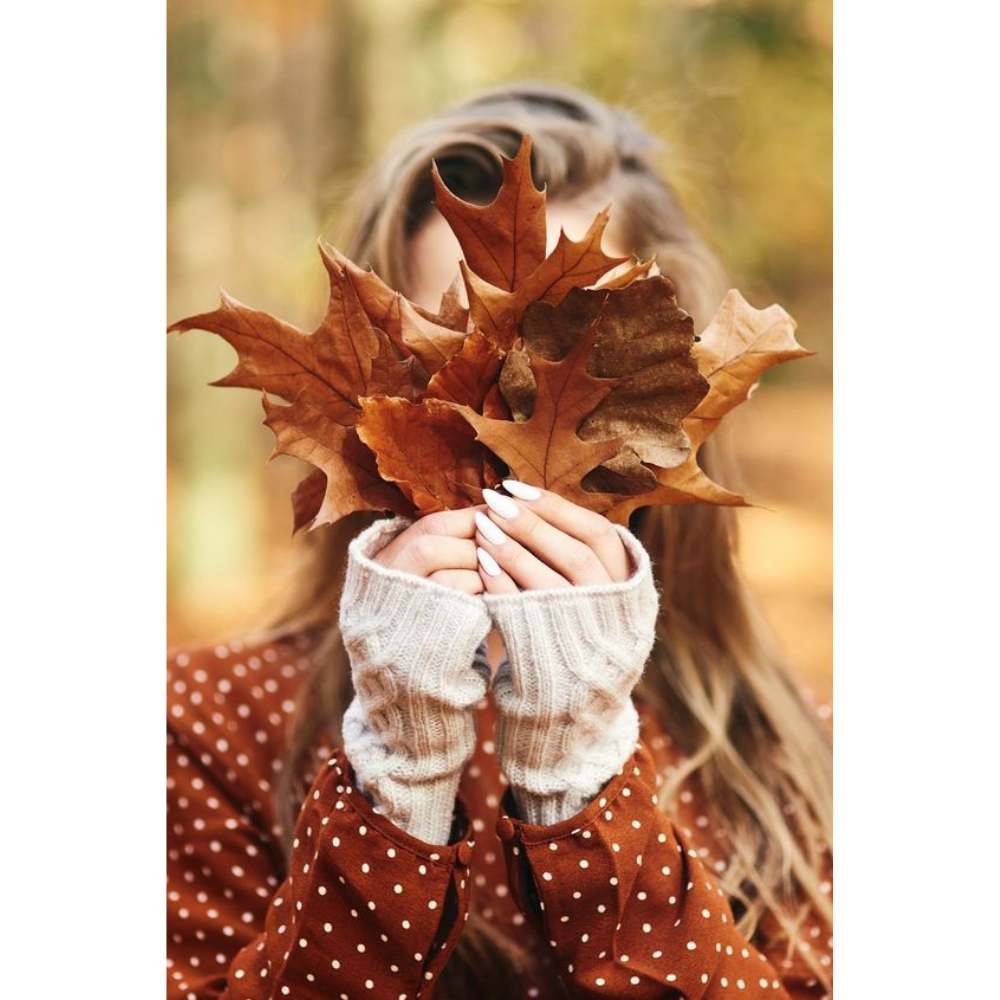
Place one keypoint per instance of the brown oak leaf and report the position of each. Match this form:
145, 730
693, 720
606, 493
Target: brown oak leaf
504, 241
683, 484
545, 449
505, 267
344, 358
572, 264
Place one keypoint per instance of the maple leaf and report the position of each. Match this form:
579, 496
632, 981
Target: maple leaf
735, 349
352, 480
545, 449
307, 500
572, 264
427, 449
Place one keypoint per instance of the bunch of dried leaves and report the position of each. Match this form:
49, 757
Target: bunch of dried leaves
557, 372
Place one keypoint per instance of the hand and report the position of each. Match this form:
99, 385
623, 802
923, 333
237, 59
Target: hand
577, 637
537, 540
438, 547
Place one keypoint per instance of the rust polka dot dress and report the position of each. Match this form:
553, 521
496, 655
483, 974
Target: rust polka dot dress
619, 900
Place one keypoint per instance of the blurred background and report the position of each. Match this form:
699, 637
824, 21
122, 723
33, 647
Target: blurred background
275, 108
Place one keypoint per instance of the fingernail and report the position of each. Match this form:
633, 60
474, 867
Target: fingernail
521, 490
489, 530
500, 504
487, 562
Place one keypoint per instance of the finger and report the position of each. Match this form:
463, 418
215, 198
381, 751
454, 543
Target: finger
443, 523
592, 529
521, 565
565, 554
454, 523
466, 580
425, 554
494, 579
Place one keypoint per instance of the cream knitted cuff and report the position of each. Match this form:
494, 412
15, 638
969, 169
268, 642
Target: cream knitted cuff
565, 721
410, 728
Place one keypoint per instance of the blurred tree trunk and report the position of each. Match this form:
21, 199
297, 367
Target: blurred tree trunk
324, 101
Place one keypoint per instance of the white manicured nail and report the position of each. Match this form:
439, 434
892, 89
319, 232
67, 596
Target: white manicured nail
489, 530
500, 504
487, 562
521, 490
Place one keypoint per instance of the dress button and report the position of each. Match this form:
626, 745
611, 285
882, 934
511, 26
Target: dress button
505, 828
464, 853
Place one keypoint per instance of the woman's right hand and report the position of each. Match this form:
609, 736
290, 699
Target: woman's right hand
439, 547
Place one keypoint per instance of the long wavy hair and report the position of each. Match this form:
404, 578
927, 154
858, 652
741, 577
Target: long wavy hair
715, 679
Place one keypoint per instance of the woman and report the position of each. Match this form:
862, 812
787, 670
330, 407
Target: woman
511, 750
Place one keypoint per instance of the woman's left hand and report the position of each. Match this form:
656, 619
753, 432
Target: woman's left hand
537, 540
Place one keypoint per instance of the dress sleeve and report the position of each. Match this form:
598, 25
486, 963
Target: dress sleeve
627, 905
365, 908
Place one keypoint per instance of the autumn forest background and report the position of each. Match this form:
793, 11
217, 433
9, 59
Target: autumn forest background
274, 111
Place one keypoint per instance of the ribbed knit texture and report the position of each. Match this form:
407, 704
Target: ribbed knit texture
566, 723
410, 728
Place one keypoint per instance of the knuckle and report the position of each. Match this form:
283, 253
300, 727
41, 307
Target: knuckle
422, 549
601, 529
531, 526
581, 560
429, 523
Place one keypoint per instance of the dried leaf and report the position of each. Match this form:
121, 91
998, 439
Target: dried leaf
406, 325
307, 499
453, 312
517, 383
427, 449
504, 241
330, 367
545, 450
495, 406
572, 264
303, 430
469, 374
640, 269
643, 339
736, 348
683, 484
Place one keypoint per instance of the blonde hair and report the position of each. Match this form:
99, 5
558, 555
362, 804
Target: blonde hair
715, 680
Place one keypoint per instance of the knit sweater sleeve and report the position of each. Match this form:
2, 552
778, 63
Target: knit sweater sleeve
362, 909
659, 925
412, 642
